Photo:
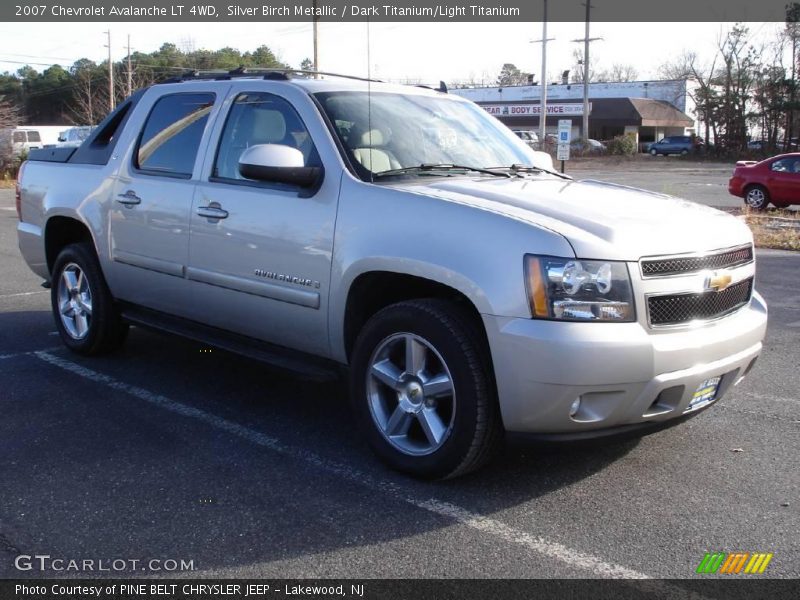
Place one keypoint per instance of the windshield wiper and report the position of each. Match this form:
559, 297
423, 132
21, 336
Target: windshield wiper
516, 169
438, 167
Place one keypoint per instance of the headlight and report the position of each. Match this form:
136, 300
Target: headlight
569, 289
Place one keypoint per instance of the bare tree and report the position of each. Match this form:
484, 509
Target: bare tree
87, 106
9, 117
90, 102
619, 73
511, 75
474, 80
577, 67
689, 67
772, 91
736, 80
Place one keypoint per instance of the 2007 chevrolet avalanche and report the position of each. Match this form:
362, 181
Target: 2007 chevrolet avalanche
406, 234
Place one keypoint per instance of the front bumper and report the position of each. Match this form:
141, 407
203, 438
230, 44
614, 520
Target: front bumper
624, 374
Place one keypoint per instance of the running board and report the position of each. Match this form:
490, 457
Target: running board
307, 365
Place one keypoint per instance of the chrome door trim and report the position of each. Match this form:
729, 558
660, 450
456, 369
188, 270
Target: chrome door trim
257, 288
149, 263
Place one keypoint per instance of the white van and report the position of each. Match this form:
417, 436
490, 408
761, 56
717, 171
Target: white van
26, 139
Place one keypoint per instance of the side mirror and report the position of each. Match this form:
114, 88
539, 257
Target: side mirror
61, 138
278, 164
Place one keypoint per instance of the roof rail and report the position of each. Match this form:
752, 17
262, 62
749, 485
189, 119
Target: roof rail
442, 87
266, 73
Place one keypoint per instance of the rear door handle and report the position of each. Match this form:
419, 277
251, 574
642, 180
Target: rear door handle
212, 212
129, 198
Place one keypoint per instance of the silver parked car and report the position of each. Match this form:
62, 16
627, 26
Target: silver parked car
406, 235
529, 137
74, 136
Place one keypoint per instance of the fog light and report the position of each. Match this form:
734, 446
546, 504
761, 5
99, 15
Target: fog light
576, 406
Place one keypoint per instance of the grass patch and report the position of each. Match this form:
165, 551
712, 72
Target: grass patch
779, 229
6, 184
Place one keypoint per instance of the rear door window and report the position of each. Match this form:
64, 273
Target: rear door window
19, 136
33, 136
786, 165
170, 140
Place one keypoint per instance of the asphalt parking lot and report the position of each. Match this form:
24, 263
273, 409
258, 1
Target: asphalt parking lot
169, 451
705, 182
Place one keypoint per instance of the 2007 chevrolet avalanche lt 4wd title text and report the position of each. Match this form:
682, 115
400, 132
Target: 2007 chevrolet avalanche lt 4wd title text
406, 234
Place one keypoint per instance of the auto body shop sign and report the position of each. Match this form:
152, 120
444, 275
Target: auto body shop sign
534, 110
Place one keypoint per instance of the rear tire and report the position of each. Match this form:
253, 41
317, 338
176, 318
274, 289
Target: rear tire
756, 197
423, 391
84, 311
684, 152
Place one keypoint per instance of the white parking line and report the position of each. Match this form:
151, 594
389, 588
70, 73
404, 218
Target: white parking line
767, 398
29, 352
24, 294
553, 550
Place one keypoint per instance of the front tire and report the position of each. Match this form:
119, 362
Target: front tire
653, 152
84, 311
422, 389
756, 197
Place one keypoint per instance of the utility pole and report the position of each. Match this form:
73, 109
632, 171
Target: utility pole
586, 41
543, 95
790, 128
315, 25
585, 126
130, 73
111, 103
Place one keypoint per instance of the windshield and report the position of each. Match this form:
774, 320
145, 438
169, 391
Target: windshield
397, 131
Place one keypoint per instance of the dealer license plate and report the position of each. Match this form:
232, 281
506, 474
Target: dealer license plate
706, 392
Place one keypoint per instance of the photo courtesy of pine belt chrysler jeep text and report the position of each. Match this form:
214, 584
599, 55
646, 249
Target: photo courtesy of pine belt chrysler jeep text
404, 237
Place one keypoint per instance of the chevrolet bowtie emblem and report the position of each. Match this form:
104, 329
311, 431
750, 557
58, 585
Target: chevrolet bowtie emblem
717, 281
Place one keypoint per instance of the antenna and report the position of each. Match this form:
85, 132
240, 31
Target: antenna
315, 28
369, 105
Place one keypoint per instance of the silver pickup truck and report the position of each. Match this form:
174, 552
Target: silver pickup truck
468, 291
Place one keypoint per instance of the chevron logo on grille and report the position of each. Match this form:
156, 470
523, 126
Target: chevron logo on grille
717, 281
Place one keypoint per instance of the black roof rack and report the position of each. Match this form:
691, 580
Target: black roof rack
269, 73
442, 87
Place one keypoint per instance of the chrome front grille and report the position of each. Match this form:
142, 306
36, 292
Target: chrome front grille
677, 309
680, 265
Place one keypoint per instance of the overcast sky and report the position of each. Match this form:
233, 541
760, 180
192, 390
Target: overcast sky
424, 51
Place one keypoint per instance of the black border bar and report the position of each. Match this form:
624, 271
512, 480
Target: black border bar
36, 11
734, 587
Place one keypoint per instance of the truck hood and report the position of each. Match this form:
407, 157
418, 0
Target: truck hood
600, 220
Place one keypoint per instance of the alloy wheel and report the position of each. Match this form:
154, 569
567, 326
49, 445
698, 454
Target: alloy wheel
411, 394
75, 301
756, 198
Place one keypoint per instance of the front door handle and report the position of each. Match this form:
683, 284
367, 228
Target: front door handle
212, 211
129, 198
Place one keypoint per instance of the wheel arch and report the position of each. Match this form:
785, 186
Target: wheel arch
371, 291
746, 189
59, 232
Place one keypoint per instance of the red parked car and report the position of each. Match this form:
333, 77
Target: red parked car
775, 180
